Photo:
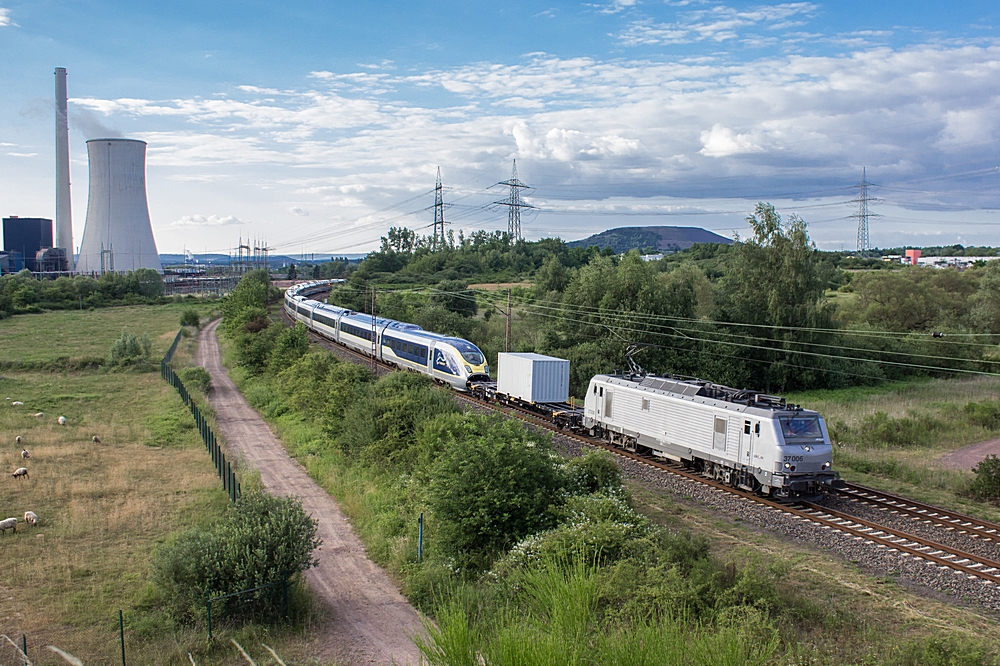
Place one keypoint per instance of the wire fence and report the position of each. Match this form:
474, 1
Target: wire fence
223, 467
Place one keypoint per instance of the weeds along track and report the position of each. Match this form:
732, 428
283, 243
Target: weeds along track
967, 565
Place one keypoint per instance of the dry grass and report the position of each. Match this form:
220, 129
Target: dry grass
104, 507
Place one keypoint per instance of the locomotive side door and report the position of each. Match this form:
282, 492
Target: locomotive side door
746, 443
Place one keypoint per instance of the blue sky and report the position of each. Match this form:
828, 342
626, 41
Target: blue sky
318, 125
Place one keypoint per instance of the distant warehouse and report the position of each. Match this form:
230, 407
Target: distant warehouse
23, 238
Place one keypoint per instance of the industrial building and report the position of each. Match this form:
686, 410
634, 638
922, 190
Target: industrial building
118, 235
23, 238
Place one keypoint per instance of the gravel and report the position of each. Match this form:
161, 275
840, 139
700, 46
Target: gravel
867, 555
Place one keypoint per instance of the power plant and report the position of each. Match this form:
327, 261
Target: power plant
118, 235
64, 209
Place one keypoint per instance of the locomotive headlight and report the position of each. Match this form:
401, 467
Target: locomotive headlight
486, 369
468, 369
808, 448
788, 465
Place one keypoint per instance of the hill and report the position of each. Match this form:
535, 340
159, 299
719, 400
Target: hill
664, 239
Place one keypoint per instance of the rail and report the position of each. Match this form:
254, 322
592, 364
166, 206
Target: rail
930, 551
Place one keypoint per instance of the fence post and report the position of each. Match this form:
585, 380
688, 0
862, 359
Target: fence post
24, 645
121, 633
208, 607
420, 537
284, 585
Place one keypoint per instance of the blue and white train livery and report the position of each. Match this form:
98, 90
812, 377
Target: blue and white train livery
449, 360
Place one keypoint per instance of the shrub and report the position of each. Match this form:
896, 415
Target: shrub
985, 414
491, 486
130, 350
190, 318
261, 540
289, 346
197, 376
596, 471
986, 485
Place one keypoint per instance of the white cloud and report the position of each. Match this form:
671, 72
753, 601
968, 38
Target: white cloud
299, 211
5, 19
717, 24
721, 142
23, 154
209, 221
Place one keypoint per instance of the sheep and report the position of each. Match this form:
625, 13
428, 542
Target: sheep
25, 454
39, 415
21, 471
17, 440
17, 403
95, 439
61, 420
8, 524
30, 518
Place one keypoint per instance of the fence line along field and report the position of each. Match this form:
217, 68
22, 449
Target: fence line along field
103, 507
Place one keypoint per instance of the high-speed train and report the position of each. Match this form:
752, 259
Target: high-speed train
448, 360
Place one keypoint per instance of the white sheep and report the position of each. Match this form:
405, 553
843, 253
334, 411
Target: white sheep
25, 454
30, 518
21, 471
95, 439
61, 420
8, 524
17, 403
17, 440
39, 415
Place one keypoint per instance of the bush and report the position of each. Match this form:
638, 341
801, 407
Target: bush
261, 540
985, 414
190, 318
986, 485
289, 346
130, 350
197, 376
493, 484
595, 471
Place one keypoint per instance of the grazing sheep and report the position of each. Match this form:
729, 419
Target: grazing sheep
21, 471
39, 415
25, 454
30, 517
95, 439
17, 440
17, 403
8, 524
61, 420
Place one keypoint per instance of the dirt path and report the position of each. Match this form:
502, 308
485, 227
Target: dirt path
970, 456
371, 621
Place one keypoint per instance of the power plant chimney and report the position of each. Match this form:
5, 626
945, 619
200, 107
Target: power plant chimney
118, 235
64, 206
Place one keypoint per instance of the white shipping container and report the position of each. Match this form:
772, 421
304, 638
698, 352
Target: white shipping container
533, 377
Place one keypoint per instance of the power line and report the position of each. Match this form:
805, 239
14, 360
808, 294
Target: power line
513, 203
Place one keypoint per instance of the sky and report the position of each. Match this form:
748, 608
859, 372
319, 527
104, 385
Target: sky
315, 126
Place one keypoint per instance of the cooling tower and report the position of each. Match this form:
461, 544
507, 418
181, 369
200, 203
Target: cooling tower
118, 235
64, 212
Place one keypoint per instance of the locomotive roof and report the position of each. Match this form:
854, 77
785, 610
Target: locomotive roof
691, 387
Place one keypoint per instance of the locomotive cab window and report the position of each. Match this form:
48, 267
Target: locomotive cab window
601, 392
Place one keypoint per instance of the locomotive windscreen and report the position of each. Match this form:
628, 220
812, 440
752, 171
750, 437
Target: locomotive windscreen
800, 427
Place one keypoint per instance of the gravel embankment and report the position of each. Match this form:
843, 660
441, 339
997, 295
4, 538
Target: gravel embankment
865, 554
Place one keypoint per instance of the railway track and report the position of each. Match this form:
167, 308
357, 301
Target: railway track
932, 552
975, 528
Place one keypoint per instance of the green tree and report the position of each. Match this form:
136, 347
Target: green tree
190, 318
455, 296
775, 282
290, 345
985, 314
493, 484
292, 272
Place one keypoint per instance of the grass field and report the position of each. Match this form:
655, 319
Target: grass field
85, 334
930, 409
103, 507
